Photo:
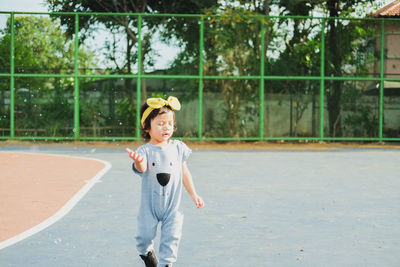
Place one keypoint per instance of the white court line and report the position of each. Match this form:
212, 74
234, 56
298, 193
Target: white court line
65, 209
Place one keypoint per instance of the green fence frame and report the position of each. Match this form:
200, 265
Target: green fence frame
200, 77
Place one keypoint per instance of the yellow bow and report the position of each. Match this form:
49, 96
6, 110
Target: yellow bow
155, 103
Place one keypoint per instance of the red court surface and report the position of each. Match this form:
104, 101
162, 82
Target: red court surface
33, 187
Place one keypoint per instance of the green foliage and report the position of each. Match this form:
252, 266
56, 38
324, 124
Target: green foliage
41, 47
170, 26
233, 49
349, 46
104, 109
232, 45
360, 118
43, 106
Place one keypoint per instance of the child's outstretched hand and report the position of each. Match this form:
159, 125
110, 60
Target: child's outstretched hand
198, 201
140, 164
135, 156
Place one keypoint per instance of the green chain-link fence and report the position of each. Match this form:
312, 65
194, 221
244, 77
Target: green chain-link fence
239, 77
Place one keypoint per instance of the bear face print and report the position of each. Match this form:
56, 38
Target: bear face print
162, 170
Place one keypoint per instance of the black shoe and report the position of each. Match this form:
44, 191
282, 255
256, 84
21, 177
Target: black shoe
150, 260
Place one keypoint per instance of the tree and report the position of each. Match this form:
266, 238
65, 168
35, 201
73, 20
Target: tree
41, 47
128, 24
233, 48
340, 34
223, 55
299, 58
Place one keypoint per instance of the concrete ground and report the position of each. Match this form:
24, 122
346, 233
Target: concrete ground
336, 207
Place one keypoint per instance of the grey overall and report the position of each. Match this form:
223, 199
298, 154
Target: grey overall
161, 199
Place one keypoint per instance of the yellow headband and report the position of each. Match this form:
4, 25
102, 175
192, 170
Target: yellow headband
155, 103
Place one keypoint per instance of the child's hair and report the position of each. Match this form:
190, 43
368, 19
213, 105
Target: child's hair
154, 113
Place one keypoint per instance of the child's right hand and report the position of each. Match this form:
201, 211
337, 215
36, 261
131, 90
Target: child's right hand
139, 162
135, 156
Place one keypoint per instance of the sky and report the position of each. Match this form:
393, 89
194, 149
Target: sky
23, 5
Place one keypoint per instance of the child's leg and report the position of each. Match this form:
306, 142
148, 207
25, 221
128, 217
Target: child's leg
171, 232
146, 232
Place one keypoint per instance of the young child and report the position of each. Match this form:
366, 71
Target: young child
162, 165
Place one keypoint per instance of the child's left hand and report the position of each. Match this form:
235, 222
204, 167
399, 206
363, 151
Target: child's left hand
198, 201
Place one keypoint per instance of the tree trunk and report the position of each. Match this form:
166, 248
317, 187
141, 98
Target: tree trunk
334, 96
267, 125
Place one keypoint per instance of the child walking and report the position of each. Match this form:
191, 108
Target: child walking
162, 165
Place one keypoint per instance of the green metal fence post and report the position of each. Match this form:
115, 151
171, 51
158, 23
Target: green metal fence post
12, 84
200, 107
261, 106
322, 83
139, 77
381, 87
76, 81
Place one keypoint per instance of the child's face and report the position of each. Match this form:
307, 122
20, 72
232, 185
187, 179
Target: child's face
161, 128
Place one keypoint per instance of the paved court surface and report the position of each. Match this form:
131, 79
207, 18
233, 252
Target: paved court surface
336, 207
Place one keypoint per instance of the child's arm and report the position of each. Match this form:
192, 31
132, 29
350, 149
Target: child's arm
139, 161
188, 183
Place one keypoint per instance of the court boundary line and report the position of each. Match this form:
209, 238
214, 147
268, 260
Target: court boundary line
66, 208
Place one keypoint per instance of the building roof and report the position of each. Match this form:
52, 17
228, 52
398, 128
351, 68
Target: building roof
390, 10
